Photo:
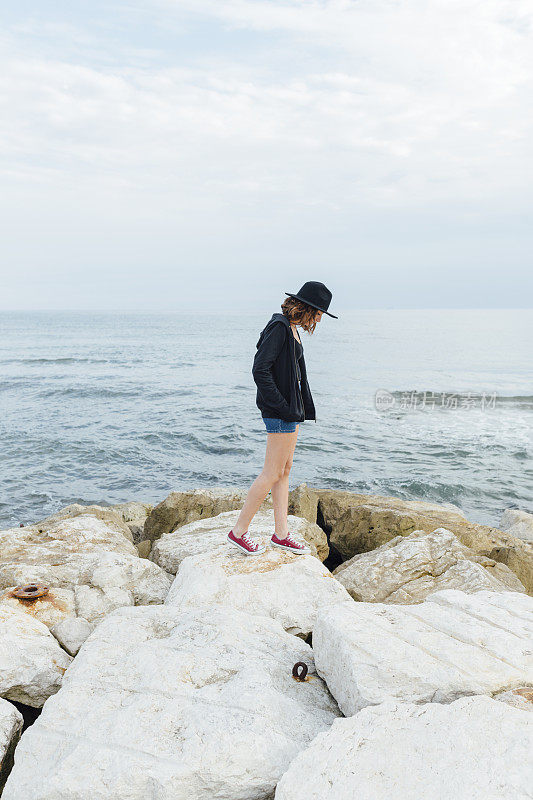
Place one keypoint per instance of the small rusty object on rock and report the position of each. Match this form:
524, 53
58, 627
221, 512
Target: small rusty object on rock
299, 671
21, 525
30, 591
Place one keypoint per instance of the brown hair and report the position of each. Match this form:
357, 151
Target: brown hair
299, 313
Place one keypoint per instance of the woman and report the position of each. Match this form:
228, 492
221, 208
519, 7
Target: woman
284, 399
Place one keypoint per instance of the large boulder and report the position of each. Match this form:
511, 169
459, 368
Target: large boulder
87, 554
180, 508
303, 502
11, 722
409, 568
452, 644
361, 522
472, 749
129, 517
209, 534
113, 519
185, 706
517, 523
134, 515
287, 587
32, 663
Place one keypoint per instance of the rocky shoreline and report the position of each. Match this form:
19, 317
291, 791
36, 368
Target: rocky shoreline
141, 656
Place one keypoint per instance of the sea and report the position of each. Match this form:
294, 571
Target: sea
99, 407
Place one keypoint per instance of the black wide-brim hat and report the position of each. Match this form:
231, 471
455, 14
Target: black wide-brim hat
315, 294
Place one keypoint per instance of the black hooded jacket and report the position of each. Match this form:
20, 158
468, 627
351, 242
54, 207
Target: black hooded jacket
275, 372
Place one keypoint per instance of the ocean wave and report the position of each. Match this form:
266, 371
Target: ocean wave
62, 360
16, 383
101, 393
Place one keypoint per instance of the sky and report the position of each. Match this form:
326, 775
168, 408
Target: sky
214, 154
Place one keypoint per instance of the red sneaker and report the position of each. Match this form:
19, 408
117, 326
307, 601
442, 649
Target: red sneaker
288, 543
246, 544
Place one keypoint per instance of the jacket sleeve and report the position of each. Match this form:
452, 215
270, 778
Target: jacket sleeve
268, 351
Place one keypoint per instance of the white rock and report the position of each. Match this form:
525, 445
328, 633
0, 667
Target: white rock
159, 704
71, 633
134, 514
472, 749
82, 551
452, 644
64, 536
11, 722
32, 663
278, 584
409, 568
93, 603
205, 535
517, 523
132, 510
112, 519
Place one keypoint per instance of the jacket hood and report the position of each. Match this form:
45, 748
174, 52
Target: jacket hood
273, 319
276, 318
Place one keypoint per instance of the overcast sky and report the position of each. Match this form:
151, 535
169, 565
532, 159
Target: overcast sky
189, 153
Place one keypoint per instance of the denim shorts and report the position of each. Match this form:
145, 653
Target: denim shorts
277, 425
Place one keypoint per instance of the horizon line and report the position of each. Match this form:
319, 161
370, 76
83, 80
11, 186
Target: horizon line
246, 312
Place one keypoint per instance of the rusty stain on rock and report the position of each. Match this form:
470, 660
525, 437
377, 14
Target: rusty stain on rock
526, 692
267, 562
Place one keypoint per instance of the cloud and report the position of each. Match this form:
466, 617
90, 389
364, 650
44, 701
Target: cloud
214, 109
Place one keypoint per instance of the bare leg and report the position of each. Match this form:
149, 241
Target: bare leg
280, 497
279, 449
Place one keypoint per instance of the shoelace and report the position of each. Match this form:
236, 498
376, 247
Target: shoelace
289, 539
246, 538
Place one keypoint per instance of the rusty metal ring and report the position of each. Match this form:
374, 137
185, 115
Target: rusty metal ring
299, 671
30, 591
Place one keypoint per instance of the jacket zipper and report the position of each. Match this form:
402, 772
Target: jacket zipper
298, 376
